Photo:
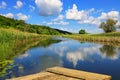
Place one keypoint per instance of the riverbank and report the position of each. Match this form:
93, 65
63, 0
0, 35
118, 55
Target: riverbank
14, 42
107, 38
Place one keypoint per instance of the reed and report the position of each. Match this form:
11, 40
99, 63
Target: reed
108, 38
14, 42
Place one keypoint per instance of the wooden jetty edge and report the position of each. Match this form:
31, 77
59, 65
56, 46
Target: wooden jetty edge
60, 73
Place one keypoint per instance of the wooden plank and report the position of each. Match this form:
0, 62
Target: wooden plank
45, 76
78, 74
34, 76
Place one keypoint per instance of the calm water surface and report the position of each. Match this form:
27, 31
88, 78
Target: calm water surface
72, 54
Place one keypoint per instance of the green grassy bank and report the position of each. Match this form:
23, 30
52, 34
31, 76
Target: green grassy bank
106, 38
14, 42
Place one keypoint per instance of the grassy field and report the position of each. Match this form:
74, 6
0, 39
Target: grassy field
106, 38
14, 42
10, 39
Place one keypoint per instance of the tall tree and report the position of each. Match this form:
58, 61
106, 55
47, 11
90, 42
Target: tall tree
109, 25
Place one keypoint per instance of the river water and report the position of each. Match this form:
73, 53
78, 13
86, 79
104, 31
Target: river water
69, 53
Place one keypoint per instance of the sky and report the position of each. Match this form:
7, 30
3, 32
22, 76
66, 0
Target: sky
68, 15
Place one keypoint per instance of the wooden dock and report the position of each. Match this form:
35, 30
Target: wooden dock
60, 73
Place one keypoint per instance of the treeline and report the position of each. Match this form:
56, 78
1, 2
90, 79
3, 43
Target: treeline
22, 26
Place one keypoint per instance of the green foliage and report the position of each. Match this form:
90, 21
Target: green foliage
82, 31
108, 26
21, 25
112, 34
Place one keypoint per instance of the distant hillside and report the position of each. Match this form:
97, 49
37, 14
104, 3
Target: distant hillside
21, 25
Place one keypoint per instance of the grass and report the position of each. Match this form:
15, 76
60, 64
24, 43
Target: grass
10, 39
106, 38
113, 34
14, 42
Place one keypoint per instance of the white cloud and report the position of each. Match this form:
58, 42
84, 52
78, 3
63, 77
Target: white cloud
60, 17
84, 16
58, 23
8, 15
81, 16
32, 8
3, 5
112, 14
18, 5
49, 7
90, 20
63, 23
22, 16
103, 15
49, 23
74, 14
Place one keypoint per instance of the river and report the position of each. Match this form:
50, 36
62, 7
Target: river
68, 53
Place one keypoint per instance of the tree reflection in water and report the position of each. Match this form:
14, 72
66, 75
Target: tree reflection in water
109, 51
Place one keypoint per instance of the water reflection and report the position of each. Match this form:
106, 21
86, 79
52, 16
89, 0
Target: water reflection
68, 53
88, 54
49, 61
25, 63
109, 51
75, 51
83, 54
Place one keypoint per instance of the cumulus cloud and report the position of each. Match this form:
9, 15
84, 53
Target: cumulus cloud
3, 5
90, 20
60, 17
22, 16
18, 5
112, 14
32, 8
8, 15
57, 21
84, 16
81, 16
49, 7
74, 14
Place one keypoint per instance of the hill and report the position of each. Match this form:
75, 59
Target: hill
22, 26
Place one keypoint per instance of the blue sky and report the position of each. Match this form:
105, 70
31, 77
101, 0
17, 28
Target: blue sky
69, 15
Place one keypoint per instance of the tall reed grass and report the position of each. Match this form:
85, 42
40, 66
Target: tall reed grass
108, 38
13, 42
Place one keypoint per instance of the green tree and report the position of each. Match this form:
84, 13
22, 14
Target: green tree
82, 31
109, 25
